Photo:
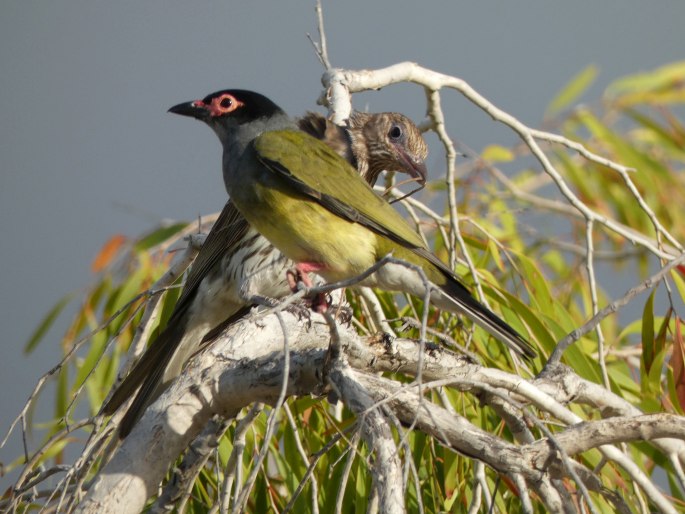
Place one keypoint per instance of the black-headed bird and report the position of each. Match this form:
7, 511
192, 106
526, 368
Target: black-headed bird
313, 206
236, 262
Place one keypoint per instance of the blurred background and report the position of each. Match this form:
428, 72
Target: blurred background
87, 150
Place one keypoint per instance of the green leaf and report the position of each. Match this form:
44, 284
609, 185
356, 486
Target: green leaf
226, 447
497, 153
47, 322
677, 277
577, 357
653, 378
660, 339
62, 397
537, 286
622, 380
158, 236
666, 78
532, 320
670, 137
362, 483
648, 351
97, 347
261, 495
130, 289
573, 90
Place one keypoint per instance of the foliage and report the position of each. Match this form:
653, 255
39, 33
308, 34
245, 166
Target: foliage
530, 252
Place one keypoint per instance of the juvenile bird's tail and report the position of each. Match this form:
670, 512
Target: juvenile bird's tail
145, 378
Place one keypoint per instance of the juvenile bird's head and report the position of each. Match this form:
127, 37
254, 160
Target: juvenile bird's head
229, 110
373, 143
388, 141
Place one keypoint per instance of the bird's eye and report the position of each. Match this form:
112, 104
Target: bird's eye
395, 132
222, 105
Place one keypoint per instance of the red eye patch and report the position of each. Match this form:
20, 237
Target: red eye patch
220, 105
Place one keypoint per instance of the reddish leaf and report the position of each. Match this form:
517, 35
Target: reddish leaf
108, 252
509, 483
678, 364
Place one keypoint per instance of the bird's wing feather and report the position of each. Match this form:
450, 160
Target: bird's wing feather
347, 196
147, 370
297, 158
228, 230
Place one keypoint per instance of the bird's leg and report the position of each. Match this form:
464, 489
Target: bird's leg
301, 274
250, 296
342, 312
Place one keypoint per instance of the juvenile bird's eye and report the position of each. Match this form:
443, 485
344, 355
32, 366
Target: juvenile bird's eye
226, 102
395, 132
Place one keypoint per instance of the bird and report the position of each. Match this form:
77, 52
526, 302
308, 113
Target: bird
313, 206
235, 262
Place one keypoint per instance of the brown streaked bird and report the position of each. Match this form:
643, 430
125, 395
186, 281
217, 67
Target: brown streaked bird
236, 262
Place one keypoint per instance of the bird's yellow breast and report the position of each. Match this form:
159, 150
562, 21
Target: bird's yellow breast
307, 232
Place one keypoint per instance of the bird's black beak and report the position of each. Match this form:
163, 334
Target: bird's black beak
195, 109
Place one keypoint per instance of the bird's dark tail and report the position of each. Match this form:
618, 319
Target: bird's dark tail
485, 318
147, 375
454, 296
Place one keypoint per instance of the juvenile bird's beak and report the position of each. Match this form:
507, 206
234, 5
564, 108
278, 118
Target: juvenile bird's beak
195, 109
417, 169
419, 172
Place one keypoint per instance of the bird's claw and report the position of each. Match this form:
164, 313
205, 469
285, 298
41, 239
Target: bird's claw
343, 313
263, 301
301, 311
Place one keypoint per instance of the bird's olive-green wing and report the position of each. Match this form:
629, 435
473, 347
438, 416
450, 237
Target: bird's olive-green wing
315, 170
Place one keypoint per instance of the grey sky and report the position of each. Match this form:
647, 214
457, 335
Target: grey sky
87, 149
